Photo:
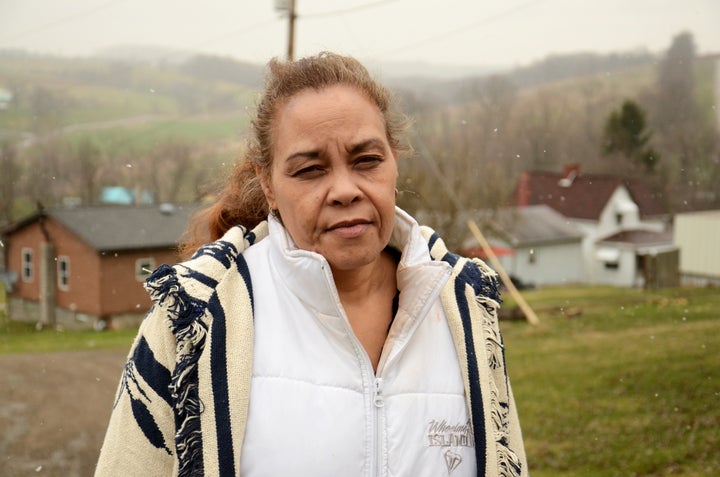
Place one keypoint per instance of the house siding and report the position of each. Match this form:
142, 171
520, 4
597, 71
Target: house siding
30, 238
121, 291
696, 235
551, 264
102, 285
625, 274
82, 294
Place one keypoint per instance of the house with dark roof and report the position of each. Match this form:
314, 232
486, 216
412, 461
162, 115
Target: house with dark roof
601, 206
535, 244
85, 266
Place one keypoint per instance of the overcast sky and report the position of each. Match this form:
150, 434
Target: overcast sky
499, 33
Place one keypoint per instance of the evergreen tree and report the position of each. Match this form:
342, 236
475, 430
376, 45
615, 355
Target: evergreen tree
626, 134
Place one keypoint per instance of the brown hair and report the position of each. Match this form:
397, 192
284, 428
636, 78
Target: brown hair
242, 201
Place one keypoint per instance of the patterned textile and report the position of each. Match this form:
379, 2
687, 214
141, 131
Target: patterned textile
181, 407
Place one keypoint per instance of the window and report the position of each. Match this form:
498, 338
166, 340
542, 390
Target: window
618, 218
612, 265
27, 264
144, 267
531, 256
63, 272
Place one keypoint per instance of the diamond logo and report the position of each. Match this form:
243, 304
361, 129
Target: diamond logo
452, 460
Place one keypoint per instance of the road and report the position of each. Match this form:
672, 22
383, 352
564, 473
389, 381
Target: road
54, 409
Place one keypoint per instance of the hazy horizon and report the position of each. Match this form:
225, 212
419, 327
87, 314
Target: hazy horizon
495, 34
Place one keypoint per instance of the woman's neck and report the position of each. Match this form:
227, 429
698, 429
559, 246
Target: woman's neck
367, 296
358, 285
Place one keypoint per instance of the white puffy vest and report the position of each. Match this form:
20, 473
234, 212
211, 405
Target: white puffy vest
317, 408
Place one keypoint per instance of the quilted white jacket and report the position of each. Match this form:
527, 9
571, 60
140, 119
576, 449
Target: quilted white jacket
247, 366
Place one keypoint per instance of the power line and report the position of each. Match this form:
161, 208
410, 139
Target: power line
343, 11
236, 33
60, 21
469, 26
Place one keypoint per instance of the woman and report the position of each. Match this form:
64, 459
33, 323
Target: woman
322, 332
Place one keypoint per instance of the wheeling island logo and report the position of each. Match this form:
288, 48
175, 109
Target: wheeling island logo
443, 434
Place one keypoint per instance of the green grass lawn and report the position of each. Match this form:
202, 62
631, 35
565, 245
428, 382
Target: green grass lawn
18, 337
629, 386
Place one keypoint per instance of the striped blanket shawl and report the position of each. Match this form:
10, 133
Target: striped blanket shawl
179, 411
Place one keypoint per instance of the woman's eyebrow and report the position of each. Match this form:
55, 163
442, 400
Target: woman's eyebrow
372, 143
312, 154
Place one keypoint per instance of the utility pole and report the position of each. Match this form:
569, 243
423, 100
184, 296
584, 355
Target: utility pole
288, 6
291, 32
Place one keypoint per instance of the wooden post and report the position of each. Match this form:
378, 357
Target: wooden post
291, 32
527, 311
47, 284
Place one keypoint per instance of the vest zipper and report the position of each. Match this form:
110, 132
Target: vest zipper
378, 404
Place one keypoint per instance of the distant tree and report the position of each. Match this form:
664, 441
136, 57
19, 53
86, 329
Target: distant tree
87, 161
626, 134
676, 83
541, 129
686, 135
45, 180
212, 67
463, 162
166, 169
9, 176
46, 108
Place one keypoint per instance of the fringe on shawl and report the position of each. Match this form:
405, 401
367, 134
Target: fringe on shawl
485, 286
509, 464
190, 332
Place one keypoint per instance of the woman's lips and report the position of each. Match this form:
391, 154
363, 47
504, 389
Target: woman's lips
349, 229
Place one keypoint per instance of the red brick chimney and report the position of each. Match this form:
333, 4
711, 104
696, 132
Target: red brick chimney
523, 189
571, 170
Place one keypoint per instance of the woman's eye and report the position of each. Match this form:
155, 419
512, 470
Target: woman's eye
368, 161
308, 172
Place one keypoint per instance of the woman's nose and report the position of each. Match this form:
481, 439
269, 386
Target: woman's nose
343, 188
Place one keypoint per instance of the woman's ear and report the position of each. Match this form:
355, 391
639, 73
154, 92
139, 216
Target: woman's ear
266, 186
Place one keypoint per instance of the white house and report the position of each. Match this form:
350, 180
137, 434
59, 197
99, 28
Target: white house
534, 244
601, 206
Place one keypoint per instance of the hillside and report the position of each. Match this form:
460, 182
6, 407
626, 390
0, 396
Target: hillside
134, 121
137, 121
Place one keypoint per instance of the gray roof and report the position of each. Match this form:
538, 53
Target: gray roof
114, 228
532, 224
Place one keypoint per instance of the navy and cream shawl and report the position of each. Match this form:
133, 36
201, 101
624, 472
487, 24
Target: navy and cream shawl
182, 403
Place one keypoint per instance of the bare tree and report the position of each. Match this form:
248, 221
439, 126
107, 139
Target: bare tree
9, 176
541, 128
676, 84
87, 163
46, 107
166, 168
463, 162
45, 178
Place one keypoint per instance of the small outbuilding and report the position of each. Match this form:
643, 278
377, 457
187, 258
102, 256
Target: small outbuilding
636, 258
696, 235
85, 266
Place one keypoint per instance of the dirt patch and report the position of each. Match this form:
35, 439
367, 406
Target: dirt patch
54, 409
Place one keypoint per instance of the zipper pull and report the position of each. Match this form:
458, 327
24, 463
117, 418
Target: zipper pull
379, 402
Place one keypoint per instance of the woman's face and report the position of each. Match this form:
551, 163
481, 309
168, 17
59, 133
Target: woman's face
333, 175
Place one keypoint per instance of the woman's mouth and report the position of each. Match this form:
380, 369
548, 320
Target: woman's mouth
349, 229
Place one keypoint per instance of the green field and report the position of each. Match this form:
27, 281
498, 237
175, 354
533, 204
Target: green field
629, 385
612, 382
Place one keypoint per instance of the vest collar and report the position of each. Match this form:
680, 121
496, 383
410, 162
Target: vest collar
307, 274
